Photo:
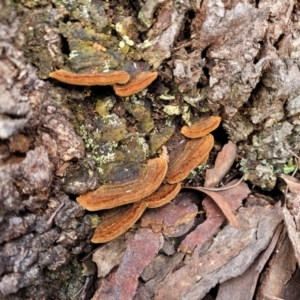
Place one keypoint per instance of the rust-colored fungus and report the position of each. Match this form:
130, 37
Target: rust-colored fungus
136, 84
163, 195
194, 153
117, 222
201, 128
90, 79
113, 195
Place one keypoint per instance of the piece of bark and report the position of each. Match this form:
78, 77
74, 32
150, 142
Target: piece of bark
293, 232
110, 255
291, 212
157, 270
163, 33
245, 284
142, 293
230, 254
223, 163
170, 217
279, 274
123, 283
168, 248
214, 217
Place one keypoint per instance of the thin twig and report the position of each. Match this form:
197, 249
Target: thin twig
54, 214
216, 189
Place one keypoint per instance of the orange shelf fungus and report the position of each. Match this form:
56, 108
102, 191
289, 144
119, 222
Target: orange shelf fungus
194, 153
136, 84
90, 79
117, 222
201, 128
113, 195
163, 195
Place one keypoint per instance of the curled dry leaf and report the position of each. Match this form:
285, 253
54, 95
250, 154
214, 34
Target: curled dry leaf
113, 195
223, 205
223, 163
163, 195
201, 128
214, 217
90, 79
136, 84
292, 182
117, 222
194, 154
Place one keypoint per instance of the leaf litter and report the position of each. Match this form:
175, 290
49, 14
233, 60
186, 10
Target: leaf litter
210, 253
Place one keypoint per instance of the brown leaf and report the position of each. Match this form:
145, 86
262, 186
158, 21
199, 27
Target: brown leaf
110, 254
293, 233
292, 182
223, 204
245, 284
214, 217
223, 163
280, 278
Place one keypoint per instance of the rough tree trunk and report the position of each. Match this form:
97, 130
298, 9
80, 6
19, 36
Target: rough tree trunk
237, 59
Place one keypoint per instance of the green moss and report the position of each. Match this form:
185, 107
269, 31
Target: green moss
289, 166
103, 106
157, 139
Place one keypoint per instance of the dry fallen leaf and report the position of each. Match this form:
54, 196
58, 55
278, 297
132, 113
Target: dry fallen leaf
223, 204
292, 182
214, 217
223, 163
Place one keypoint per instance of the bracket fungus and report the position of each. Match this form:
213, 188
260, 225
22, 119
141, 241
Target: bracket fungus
135, 84
194, 154
117, 222
113, 195
120, 80
201, 128
163, 195
147, 190
90, 79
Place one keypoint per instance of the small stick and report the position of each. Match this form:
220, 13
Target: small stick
216, 189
